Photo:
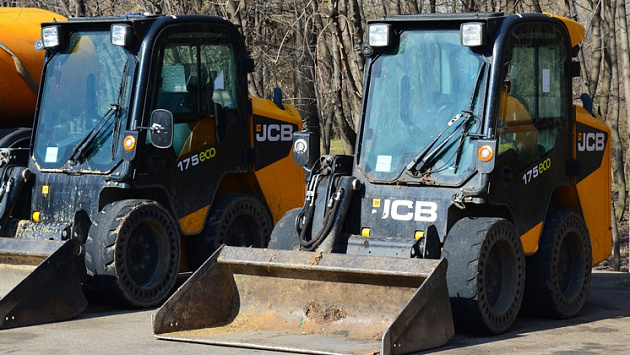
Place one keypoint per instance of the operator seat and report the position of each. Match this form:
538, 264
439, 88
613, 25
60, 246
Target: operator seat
517, 130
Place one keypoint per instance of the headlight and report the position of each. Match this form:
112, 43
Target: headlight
121, 35
51, 36
473, 34
379, 35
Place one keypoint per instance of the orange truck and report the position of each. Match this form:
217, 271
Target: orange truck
20, 68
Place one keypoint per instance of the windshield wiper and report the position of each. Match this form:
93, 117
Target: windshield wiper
121, 94
473, 98
113, 111
426, 155
79, 150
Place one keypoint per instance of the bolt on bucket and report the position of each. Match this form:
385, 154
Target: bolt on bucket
39, 281
307, 302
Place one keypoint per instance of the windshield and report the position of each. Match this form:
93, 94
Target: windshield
414, 91
85, 96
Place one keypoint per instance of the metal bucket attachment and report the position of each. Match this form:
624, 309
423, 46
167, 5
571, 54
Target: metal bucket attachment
39, 282
309, 302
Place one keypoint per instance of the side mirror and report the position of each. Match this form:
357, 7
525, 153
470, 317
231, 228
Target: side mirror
161, 128
303, 154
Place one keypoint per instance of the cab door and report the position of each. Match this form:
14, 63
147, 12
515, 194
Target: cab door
197, 78
533, 125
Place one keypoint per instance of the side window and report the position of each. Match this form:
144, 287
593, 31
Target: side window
179, 87
220, 97
534, 99
195, 80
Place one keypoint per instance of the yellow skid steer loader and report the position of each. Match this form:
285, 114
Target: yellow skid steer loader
147, 154
469, 151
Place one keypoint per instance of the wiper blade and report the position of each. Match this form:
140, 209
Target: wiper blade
471, 107
79, 150
117, 123
422, 156
422, 159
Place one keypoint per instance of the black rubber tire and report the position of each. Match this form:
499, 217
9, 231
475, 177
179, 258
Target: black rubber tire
133, 252
16, 138
559, 274
235, 220
284, 235
486, 274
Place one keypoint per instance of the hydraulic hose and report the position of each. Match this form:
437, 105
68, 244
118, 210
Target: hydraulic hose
11, 192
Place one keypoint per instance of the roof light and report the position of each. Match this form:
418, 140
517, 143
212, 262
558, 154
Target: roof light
121, 34
473, 34
51, 36
379, 35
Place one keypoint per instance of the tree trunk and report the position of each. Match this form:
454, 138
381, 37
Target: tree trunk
304, 75
610, 98
613, 102
625, 59
625, 53
432, 6
596, 48
393, 7
346, 132
324, 74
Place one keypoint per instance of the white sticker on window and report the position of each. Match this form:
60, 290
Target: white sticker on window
546, 80
51, 154
383, 163
174, 78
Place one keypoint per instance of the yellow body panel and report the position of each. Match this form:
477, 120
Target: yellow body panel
592, 196
194, 222
530, 239
277, 180
596, 206
576, 30
19, 29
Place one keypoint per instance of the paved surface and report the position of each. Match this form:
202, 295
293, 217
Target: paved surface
602, 327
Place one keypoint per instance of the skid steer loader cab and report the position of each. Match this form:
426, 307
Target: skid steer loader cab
147, 155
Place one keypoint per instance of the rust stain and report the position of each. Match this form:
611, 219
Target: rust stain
317, 256
314, 311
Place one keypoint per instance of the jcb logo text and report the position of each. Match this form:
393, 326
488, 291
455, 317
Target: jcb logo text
406, 210
591, 142
274, 132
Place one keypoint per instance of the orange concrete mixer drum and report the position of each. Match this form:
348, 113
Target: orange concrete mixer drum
20, 63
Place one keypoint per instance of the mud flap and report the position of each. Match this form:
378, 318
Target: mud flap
311, 303
39, 281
